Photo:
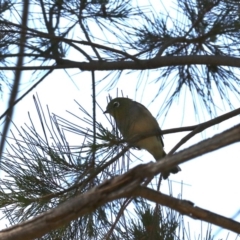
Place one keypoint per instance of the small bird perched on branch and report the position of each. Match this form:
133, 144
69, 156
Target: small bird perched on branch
135, 121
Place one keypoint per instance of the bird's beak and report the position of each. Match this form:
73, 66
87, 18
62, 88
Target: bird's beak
106, 112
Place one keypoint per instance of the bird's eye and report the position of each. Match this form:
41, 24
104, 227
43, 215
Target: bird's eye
116, 104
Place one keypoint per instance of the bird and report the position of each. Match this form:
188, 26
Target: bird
135, 121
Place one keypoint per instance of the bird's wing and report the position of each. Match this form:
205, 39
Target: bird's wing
143, 116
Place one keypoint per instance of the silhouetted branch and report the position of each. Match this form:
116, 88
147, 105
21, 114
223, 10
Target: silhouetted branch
154, 63
26, 93
200, 127
125, 186
188, 208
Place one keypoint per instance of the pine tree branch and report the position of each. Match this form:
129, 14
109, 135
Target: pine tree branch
196, 129
36, 33
154, 63
188, 208
200, 127
126, 185
83, 183
203, 126
114, 188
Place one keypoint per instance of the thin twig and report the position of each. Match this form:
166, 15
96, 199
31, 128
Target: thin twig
26, 93
200, 127
94, 122
120, 212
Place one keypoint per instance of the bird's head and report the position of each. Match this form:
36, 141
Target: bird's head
119, 108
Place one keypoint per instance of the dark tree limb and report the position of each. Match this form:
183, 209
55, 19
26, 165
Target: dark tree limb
125, 186
187, 208
154, 63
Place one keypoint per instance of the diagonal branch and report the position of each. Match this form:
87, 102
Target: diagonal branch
203, 126
200, 127
187, 208
25, 94
124, 186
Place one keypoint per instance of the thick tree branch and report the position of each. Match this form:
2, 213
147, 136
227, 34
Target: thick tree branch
187, 208
125, 185
82, 204
154, 63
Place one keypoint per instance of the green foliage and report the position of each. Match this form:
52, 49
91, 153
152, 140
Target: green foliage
41, 171
152, 224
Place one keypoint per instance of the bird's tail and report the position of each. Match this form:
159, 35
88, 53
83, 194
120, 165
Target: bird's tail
173, 170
